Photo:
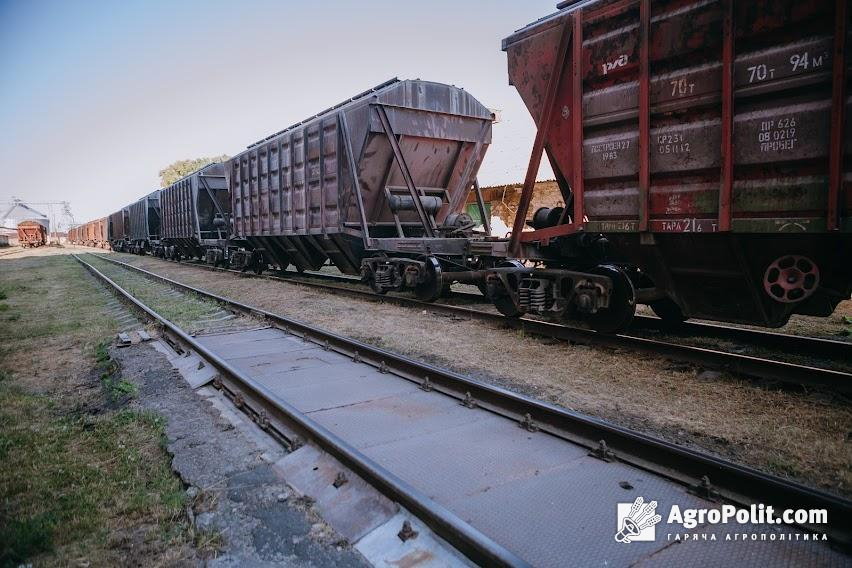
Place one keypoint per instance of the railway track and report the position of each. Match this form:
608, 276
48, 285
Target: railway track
506, 479
830, 348
11, 252
763, 368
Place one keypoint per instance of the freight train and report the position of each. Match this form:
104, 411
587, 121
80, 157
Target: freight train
701, 149
92, 234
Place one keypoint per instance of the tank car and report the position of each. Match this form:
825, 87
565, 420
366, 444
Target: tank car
702, 150
376, 184
144, 224
31, 234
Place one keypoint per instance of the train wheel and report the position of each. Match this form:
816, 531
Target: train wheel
791, 278
506, 306
502, 298
622, 303
432, 287
668, 311
374, 286
370, 278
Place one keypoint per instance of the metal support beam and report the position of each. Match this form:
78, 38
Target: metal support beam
577, 182
838, 116
459, 196
540, 139
356, 183
406, 173
211, 194
726, 178
486, 221
644, 115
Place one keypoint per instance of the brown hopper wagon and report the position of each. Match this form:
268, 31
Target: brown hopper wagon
702, 150
144, 223
119, 223
376, 184
31, 234
102, 232
196, 213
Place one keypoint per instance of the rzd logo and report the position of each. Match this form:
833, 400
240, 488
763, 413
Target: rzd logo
636, 522
610, 65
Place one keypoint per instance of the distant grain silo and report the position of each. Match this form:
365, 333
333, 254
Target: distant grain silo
20, 211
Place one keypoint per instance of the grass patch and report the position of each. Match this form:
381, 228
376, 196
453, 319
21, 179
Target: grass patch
209, 542
186, 310
4, 307
116, 388
119, 389
69, 482
83, 480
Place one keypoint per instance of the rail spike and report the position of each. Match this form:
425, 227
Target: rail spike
602, 452
705, 489
469, 401
528, 424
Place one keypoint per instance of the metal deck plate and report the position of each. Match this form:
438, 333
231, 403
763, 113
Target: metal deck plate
541, 497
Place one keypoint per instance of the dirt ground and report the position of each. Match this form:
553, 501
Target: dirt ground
799, 436
99, 465
83, 476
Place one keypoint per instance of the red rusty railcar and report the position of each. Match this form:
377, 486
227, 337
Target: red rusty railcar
102, 232
702, 151
31, 234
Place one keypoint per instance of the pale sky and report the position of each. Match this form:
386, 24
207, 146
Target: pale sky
96, 96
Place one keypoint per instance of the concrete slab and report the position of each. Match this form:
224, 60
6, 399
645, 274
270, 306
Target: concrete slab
383, 547
353, 508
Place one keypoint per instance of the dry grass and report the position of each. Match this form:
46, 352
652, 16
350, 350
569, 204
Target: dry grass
801, 436
191, 313
837, 326
83, 479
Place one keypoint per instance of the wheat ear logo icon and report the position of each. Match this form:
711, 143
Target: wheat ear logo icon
637, 519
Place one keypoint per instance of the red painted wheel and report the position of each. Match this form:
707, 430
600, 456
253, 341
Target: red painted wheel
791, 278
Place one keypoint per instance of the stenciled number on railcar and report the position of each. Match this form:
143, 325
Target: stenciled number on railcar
609, 150
689, 225
672, 144
682, 87
758, 73
777, 135
803, 61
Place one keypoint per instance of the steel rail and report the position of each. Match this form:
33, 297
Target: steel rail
819, 346
708, 476
747, 365
830, 348
445, 523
